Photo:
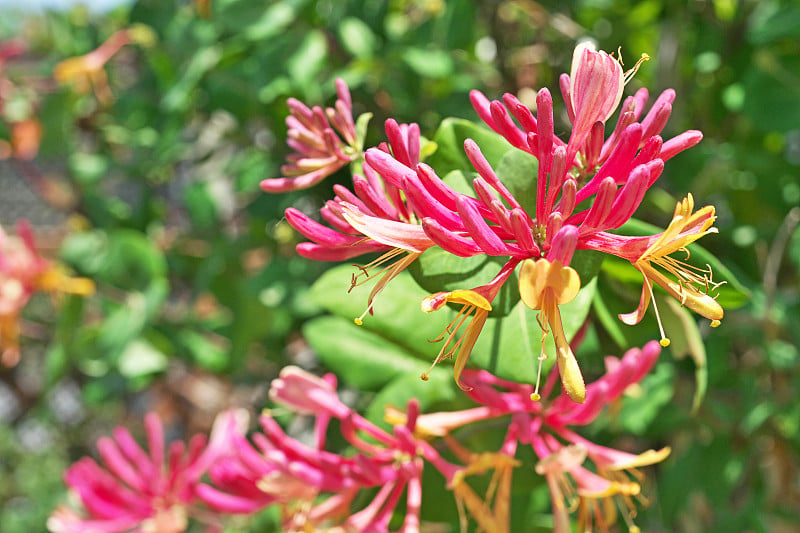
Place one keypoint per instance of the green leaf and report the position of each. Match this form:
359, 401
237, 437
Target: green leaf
124, 258
518, 172
361, 129
437, 270
685, 339
141, 358
203, 351
639, 411
357, 38
273, 20
439, 388
397, 313
427, 63
309, 58
178, 97
450, 139
361, 357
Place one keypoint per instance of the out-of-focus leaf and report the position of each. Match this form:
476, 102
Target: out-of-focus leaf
357, 38
140, 358
87, 168
200, 204
429, 63
771, 23
685, 339
123, 258
309, 57
639, 411
178, 97
273, 20
771, 99
203, 351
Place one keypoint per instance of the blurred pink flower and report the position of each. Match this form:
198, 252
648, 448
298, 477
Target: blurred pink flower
323, 141
139, 491
23, 271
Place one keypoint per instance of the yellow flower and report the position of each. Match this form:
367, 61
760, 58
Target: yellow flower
474, 312
543, 286
688, 284
492, 512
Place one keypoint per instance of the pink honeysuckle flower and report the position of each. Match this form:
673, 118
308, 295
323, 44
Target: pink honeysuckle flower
23, 272
316, 488
139, 491
404, 208
323, 142
546, 426
376, 217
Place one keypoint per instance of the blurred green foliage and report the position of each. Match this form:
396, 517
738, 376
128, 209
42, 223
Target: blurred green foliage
196, 271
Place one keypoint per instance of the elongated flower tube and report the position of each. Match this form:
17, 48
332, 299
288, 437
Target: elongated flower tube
585, 187
316, 488
323, 142
595, 89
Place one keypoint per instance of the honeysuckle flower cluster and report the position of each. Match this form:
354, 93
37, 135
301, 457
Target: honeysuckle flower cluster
586, 187
23, 272
379, 479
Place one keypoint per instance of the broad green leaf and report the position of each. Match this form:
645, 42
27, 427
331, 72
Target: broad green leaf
450, 139
361, 357
397, 314
437, 270
518, 172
